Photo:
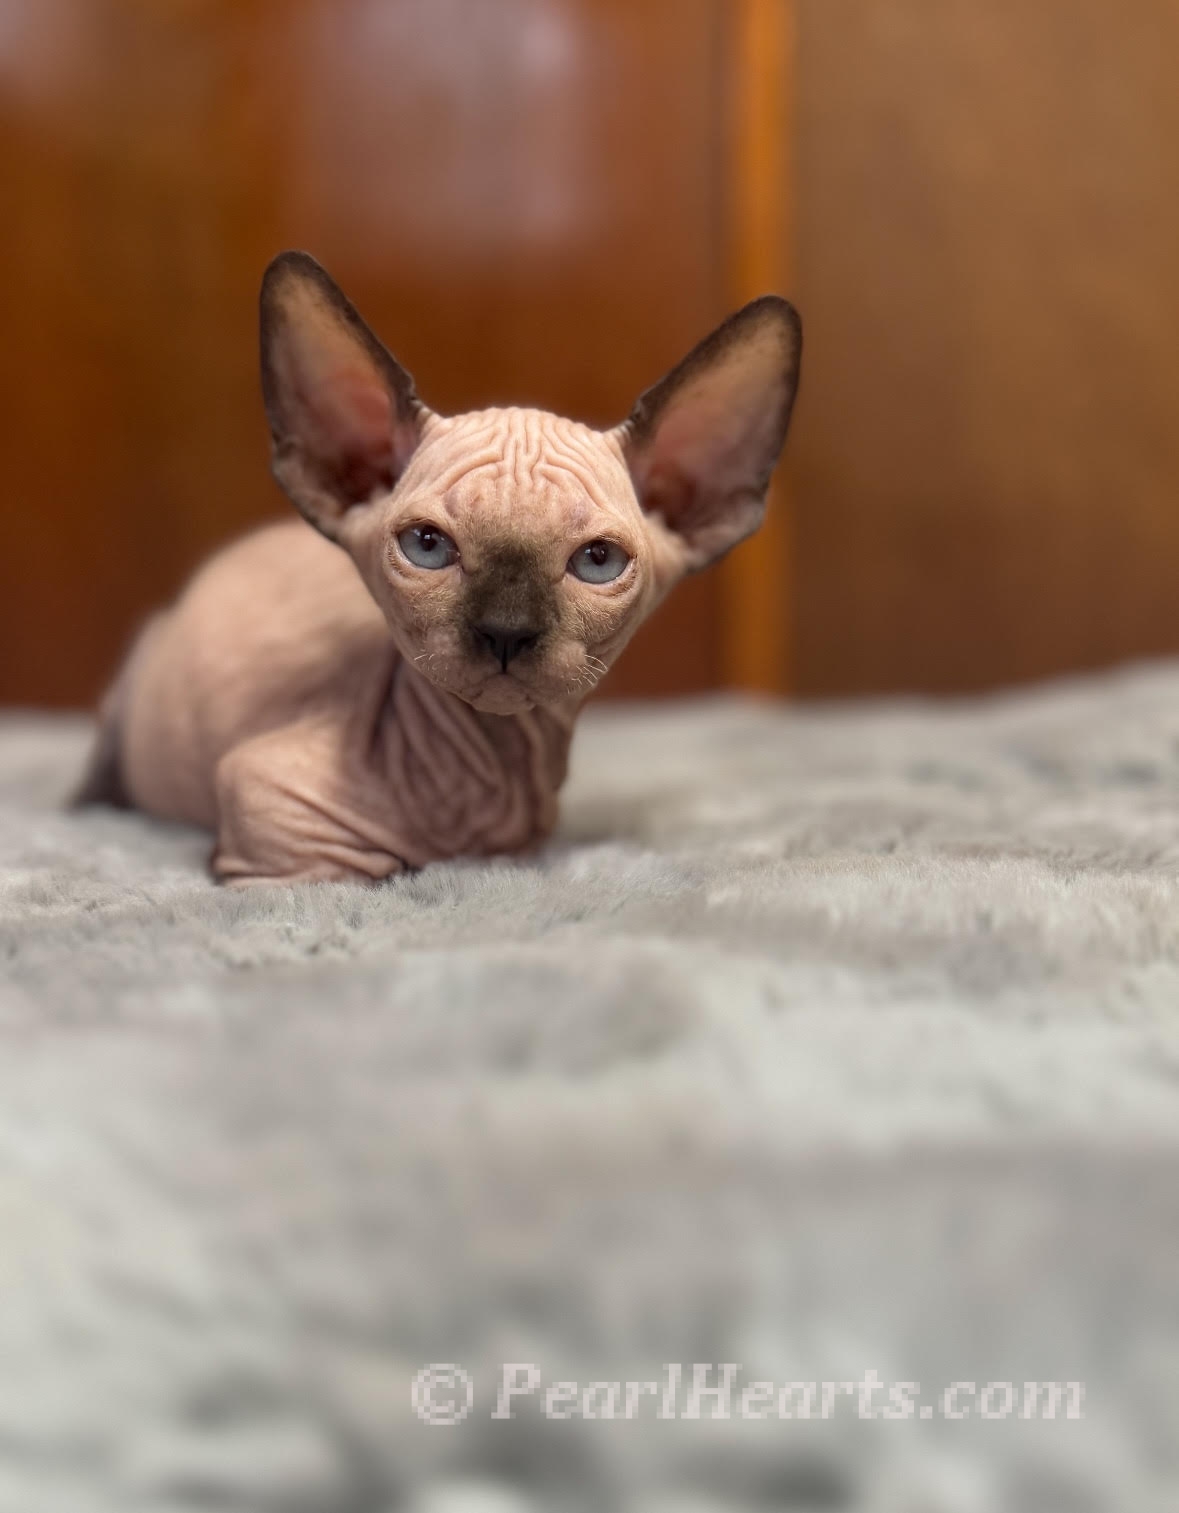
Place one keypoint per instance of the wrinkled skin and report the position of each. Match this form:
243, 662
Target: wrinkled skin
518, 491
395, 679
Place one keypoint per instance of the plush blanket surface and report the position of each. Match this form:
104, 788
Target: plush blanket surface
821, 1042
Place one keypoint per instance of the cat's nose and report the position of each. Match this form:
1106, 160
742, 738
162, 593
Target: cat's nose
504, 642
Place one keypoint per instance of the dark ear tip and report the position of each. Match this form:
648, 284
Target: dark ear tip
291, 264
773, 307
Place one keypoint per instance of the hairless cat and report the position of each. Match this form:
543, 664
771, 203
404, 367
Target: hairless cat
399, 684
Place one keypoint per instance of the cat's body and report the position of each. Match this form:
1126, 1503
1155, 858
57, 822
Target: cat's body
325, 754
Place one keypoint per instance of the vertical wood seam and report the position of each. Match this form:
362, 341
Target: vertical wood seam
757, 578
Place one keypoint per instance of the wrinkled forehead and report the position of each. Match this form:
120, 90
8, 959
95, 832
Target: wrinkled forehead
513, 472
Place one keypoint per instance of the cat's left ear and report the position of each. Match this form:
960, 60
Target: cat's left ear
702, 443
344, 416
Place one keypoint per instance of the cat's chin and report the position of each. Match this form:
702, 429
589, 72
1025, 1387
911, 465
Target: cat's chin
502, 695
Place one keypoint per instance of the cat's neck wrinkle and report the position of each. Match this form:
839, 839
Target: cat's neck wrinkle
467, 783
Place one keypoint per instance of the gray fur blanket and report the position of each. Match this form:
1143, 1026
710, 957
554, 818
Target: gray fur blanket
820, 1044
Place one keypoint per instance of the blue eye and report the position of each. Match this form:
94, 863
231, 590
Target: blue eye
427, 546
598, 562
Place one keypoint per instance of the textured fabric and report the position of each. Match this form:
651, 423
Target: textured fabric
819, 1042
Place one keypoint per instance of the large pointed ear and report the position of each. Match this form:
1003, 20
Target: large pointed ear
343, 413
702, 443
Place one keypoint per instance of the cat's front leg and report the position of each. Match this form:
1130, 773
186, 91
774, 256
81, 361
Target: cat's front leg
282, 820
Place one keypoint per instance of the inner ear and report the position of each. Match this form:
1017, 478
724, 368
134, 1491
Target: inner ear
701, 444
344, 415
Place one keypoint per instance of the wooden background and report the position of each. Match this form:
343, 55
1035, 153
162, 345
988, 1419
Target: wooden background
976, 207
987, 452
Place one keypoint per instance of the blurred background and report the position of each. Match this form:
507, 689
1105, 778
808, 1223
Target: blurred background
976, 208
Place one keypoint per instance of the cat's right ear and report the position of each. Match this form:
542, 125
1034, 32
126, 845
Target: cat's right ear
344, 416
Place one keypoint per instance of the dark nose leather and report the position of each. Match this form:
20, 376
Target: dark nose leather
505, 643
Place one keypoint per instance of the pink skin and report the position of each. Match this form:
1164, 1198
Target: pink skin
405, 689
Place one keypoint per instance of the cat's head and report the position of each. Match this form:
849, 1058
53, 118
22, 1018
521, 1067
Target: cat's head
514, 552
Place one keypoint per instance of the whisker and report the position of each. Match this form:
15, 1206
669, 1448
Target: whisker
587, 679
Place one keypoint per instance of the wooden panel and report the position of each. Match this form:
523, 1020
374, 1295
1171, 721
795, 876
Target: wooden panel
526, 199
987, 450
138, 213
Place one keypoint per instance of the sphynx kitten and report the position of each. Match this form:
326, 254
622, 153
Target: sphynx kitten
399, 684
